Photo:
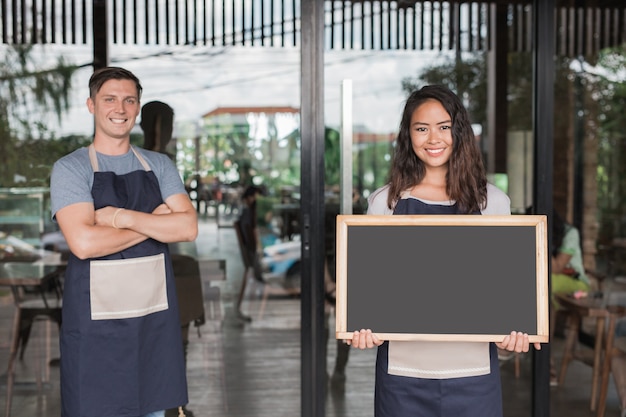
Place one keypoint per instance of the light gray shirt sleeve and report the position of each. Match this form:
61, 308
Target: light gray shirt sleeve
70, 181
377, 201
497, 201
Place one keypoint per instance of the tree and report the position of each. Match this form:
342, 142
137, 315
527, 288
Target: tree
611, 170
29, 94
468, 78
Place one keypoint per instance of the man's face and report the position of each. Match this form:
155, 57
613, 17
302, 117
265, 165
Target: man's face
115, 108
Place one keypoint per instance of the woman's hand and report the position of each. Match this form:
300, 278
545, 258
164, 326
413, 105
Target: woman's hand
517, 342
364, 339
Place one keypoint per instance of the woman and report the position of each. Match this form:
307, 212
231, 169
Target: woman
568, 272
437, 169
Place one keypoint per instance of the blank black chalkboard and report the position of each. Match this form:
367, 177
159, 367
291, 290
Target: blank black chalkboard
473, 278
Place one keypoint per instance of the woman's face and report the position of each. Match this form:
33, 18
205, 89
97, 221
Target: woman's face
431, 134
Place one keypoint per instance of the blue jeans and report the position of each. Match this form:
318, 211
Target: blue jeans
156, 414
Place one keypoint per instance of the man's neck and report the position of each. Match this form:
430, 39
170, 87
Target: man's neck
111, 146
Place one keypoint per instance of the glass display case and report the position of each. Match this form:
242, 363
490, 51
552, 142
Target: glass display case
25, 213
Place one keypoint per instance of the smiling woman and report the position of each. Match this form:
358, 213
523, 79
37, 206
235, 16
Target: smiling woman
436, 170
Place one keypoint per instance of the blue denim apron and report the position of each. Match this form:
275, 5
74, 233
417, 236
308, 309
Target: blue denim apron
121, 364
475, 396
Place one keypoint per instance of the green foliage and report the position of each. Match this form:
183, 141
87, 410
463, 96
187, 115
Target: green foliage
28, 89
223, 149
467, 77
36, 157
610, 93
606, 85
28, 94
370, 162
520, 92
332, 157
373, 166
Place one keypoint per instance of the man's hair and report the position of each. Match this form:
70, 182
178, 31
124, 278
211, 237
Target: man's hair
99, 77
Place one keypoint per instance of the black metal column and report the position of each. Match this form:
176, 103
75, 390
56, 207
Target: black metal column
100, 35
543, 130
501, 82
579, 151
313, 346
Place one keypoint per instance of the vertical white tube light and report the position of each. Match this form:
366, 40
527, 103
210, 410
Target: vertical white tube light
345, 181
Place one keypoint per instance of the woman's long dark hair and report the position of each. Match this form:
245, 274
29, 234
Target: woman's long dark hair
466, 181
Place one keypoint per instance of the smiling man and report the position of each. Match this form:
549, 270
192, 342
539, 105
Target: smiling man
118, 207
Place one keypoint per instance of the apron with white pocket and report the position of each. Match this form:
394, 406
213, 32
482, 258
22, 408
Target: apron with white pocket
121, 346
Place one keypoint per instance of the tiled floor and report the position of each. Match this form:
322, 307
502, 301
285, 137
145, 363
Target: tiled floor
253, 369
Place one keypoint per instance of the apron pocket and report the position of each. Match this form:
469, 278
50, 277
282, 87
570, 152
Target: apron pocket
127, 288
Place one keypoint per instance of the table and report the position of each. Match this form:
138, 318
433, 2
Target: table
606, 316
19, 276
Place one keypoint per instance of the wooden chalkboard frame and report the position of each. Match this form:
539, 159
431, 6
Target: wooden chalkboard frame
368, 245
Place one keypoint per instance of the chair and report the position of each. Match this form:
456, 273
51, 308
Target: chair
188, 289
272, 284
28, 310
614, 354
618, 369
614, 363
583, 330
586, 321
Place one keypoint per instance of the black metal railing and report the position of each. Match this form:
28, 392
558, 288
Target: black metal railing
582, 27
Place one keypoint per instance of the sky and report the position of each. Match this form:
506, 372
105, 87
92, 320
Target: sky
196, 80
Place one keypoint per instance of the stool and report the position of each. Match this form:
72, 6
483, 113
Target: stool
591, 357
614, 362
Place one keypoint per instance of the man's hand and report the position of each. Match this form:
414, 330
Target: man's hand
106, 216
162, 209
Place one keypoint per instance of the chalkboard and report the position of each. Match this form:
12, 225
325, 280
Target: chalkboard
442, 277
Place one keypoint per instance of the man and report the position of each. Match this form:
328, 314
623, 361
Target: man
118, 208
249, 229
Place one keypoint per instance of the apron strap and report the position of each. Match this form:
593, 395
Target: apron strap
144, 164
93, 158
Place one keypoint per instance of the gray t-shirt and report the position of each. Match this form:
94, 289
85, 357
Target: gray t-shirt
72, 175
